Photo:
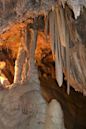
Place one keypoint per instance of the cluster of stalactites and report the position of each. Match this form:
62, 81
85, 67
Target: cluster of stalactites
57, 24
59, 36
61, 27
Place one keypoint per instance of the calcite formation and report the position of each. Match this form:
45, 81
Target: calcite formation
21, 22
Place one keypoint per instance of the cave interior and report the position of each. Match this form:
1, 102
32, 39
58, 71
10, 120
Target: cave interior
55, 82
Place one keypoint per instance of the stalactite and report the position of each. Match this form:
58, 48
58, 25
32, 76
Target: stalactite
68, 62
52, 29
61, 24
77, 64
63, 56
67, 40
58, 65
63, 41
58, 57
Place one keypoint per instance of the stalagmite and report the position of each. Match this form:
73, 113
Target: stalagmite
54, 116
37, 103
23, 107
